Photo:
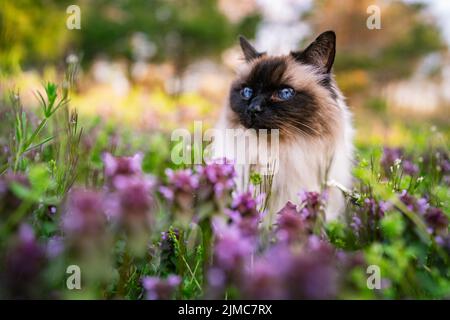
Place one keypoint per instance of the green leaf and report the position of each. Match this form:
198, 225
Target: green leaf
393, 225
22, 191
39, 144
40, 180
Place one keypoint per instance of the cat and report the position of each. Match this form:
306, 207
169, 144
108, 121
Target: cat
296, 94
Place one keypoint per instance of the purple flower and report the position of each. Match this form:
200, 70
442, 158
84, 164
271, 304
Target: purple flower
181, 188
122, 166
290, 225
217, 175
439, 159
244, 212
410, 168
413, 204
284, 273
55, 246
245, 204
134, 198
168, 250
436, 220
445, 166
313, 274
444, 242
84, 213
160, 289
184, 180
24, 262
231, 249
167, 193
393, 156
390, 157
311, 203
375, 209
216, 280
356, 224
264, 281
350, 260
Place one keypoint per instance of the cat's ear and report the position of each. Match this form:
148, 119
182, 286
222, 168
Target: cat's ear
320, 53
250, 53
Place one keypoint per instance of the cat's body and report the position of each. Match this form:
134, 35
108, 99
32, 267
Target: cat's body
297, 95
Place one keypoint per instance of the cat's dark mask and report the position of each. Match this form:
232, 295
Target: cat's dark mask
292, 93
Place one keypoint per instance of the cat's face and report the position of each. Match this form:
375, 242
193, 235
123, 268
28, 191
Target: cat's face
292, 93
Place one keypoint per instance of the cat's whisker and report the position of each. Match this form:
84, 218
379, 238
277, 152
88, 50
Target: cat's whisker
315, 131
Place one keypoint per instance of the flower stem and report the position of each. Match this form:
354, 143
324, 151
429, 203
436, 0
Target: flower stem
207, 238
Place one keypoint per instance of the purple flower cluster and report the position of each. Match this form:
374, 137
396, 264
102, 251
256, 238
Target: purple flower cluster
129, 192
232, 248
435, 218
117, 167
294, 223
440, 158
290, 223
375, 209
84, 214
282, 272
244, 211
126, 202
392, 156
219, 176
356, 224
186, 189
181, 188
438, 161
24, 262
365, 220
298, 266
413, 204
134, 200
160, 289
167, 247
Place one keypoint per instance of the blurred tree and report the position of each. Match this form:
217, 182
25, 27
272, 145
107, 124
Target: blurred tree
34, 32
31, 31
391, 52
179, 30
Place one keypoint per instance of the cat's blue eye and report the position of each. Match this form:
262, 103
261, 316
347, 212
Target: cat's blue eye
246, 93
286, 93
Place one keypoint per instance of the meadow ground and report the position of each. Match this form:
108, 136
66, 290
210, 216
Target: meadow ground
80, 193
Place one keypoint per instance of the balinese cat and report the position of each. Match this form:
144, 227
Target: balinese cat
296, 94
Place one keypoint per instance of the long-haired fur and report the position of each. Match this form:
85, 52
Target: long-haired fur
314, 125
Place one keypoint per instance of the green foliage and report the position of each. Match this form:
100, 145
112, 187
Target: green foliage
180, 30
32, 32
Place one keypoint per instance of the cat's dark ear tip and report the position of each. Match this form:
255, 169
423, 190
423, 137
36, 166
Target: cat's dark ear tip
242, 39
329, 34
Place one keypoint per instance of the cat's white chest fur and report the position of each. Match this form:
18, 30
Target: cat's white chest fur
302, 164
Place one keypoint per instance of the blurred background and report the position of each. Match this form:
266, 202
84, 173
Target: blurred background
155, 65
